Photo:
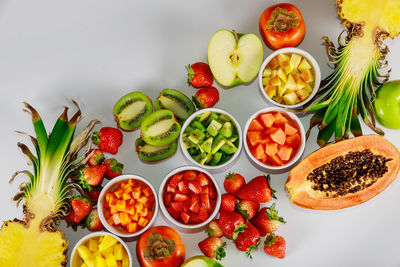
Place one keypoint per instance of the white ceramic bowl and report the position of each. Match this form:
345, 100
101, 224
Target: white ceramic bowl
234, 156
76, 260
299, 152
309, 57
110, 185
165, 211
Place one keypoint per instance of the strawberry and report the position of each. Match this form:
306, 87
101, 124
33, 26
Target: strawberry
202, 179
183, 187
212, 193
113, 168
174, 181
70, 218
175, 214
195, 187
248, 240
228, 202
81, 207
185, 217
199, 217
258, 189
275, 246
180, 197
205, 201
108, 139
267, 220
206, 97
92, 176
94, 193
231, 223
190, 175
213, 247
214, 229
233, 182
199, 75
247, 208
93, 222
96, 157
176, 205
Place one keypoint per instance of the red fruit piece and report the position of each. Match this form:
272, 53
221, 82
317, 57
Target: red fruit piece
93, 222
267, 220
174, 181
175, 214
271, 130
233, 182
275, 160
247, 208
176, 205
81, 207
180, 197
214, 229
108, 139
258, 189
190, 175
212, 193
280, 120
228, 202
293, 141
113, 168
206, 97
267, 119
185, 217
202, 179
195, 187
255, 138
275, 246
167, 199
289, 129
205, 190
255, 126
205, 201
195, 206
170, 189
213, 247
92, 176
94, 193
183, 187
199, 75
278, 137
231, 223
248, 240
96, 157
259, 152
271, 149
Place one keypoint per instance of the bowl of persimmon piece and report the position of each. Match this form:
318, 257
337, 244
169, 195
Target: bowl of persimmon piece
275, 138
128, 205
189, 197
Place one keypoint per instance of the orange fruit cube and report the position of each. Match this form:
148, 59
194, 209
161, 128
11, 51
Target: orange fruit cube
110, 221
139, 206
135, 217
147, 191
132, 227
112, 202
126, 196
143, 199
128, 189
136, 193
144, 212
113, 210
131, 182
118, 193
132, 201
116, 219
143, 222
130, 209
124, 218
121, 204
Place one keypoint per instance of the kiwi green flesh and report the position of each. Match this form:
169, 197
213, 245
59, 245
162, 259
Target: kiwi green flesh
175, 101
130, 110
151, 153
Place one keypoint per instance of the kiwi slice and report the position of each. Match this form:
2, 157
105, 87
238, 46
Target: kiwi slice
151, 153
228, 147
175, 101
160, 128
130, 110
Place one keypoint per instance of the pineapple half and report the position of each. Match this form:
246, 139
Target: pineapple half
350, 89
35, 241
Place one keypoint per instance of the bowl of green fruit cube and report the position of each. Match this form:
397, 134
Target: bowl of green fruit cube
211, 138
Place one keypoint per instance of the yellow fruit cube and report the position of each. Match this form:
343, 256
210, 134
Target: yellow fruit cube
307, 76
136, 193
267, 72
144, 212
286, 67
91, 261
291, 99
121, 205
135, 217
291, 83
84, 252
308, 88
282, 90
132, 227
100, 262
118, 251
125, 259
107, 242
274, 63
295, 61
111, 261
271, 91
108, 251
304, 65
265, 81
84, 265
124, 218
275, 81
93, 245
143, 221
282, 58
143, 199
282, 75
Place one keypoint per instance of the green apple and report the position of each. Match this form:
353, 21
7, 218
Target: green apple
201, 261
234, 58
387, 104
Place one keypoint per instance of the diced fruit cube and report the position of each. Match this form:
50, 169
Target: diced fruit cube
202, 179
211, 192
275, 160
275, 81
147, 191
293, 140
124, 218
180, 197
267, 119
271, 148
290, 130
135, 217
271, 131
291, 82
132, 227
107, 242
205, 201
302, 94
185, 217
111, 261
281, 74
258, 151
306, 76
171, 189
274, 63
126, 196
254, 138
189, 175
300, 84
280, 120
267, 72
304, 65
136, 193
308, 88
84, 252
143, 199
121, 204
286, 67
291, 98
167, 198
279, 137
282, 58
173, 182
100, 261
255, 125
116, 219
282, 90
176, 205
125, 259
295, 61
119, 251
285, 152
183, 187
195, 187
93, 245
119, 193
271, 90
143, 221
265, 81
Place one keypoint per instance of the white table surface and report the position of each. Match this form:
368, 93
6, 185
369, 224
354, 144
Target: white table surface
95, 51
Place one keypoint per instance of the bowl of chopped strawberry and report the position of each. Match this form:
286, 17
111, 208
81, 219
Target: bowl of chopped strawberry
189, 197
128, 205
275, 138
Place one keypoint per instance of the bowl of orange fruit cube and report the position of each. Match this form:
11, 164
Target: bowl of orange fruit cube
127, 205
101, 249
274, 138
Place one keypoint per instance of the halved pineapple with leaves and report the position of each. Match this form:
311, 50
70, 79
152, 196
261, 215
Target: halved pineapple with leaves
350, 89
35, 240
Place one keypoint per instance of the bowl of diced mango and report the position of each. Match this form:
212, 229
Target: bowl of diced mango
100, 249
127, 205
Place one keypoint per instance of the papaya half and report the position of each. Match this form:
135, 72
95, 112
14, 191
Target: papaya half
344, 174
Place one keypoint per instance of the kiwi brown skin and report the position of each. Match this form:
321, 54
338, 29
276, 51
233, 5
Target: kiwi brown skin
131, 98
166, 137
163, 152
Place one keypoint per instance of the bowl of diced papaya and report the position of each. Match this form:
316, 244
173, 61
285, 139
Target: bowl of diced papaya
275, 138
128, 205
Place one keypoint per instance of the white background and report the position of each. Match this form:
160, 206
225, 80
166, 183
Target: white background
95, 51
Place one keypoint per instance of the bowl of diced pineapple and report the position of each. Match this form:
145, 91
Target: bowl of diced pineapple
100, 249
289, 77
128, 205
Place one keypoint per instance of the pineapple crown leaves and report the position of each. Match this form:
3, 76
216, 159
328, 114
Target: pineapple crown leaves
273, 191
238, 229
220, 253
190, 73
272, 214
270, 240
250, 249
